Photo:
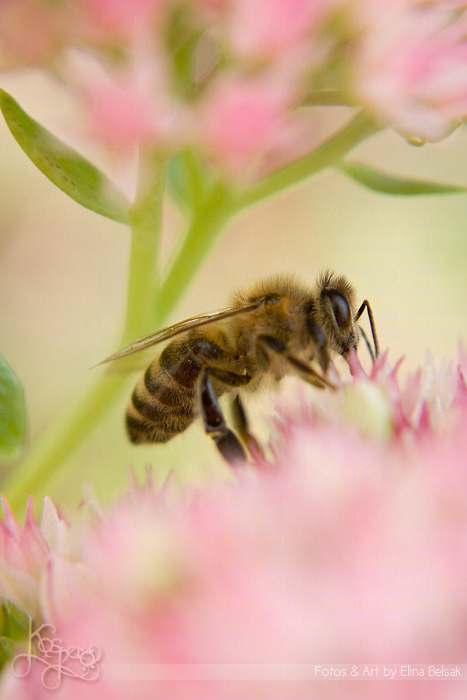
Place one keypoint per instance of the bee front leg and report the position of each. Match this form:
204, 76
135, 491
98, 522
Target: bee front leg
214, 422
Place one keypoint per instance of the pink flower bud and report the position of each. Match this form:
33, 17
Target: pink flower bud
114, 20
32, 31
23, 552
242, 120
120, 116
260, 29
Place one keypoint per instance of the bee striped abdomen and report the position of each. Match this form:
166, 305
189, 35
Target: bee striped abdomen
162, 404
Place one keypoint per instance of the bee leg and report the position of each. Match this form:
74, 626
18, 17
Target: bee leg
366, 305
310, 375
226, 442
241, 424
367, 343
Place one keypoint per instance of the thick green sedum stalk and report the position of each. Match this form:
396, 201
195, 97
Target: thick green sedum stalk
48, 455
146, 222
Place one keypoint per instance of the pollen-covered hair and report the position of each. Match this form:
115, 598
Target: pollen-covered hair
280, 285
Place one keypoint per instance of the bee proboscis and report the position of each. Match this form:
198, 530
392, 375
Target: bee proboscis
276, 328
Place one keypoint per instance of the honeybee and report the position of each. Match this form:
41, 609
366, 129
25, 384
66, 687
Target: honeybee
276, 328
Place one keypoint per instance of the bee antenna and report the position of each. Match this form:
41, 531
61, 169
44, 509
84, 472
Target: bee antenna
367, 342
366, 305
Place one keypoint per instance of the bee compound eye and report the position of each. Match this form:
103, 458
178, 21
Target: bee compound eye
340, 308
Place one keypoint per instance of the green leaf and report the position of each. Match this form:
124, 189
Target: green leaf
64, 166
12, 413
390, 184
14, 628
7, 649
15, 621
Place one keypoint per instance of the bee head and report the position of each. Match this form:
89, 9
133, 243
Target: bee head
335, 312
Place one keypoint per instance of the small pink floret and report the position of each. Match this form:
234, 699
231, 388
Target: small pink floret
241, 121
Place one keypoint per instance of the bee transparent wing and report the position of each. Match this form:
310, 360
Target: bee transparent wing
177, 328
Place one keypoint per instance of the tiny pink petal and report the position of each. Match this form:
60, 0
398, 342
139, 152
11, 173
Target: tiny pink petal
460, 397
32, 540
356, 368
9, 519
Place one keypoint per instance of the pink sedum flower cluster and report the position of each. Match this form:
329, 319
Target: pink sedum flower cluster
233, 78
346, 545
411, 68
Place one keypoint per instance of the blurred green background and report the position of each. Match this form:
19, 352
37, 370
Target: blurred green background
63, 273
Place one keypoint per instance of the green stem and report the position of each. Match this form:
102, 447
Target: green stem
50, 452
203, 231
146, 219
328, 154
